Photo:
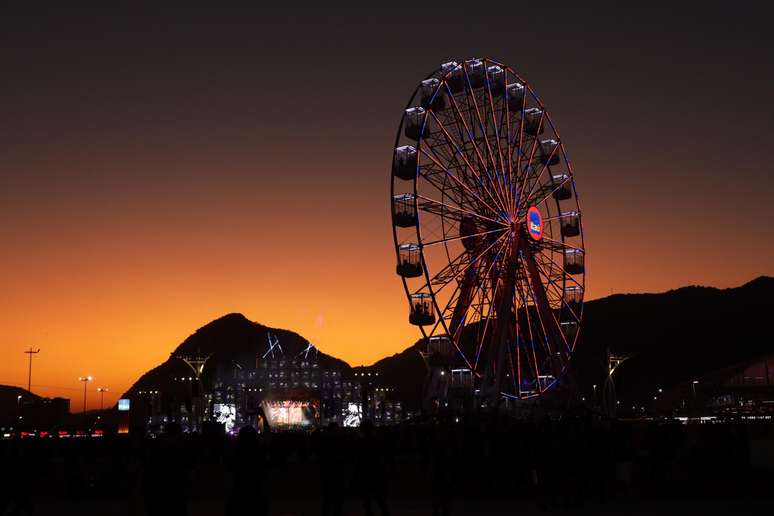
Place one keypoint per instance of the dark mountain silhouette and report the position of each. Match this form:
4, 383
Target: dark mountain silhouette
9, 399
675, 336
234, 341
671, 336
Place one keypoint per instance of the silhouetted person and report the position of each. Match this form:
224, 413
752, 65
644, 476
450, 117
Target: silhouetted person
442, 470
165, 472
15, 472
247, 468
370, 470
332, 456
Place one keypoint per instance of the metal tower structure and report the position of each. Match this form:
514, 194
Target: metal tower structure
609, 401
196, 362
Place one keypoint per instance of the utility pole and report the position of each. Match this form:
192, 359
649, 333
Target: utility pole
85, 380
30, 352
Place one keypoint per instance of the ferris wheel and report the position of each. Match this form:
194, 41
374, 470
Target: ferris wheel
487, 232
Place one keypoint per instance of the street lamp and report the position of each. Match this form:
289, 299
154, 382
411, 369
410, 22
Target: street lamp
693, 387
101, 391
85, 380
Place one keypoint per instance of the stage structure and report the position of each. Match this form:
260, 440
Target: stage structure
488, 237
196, 362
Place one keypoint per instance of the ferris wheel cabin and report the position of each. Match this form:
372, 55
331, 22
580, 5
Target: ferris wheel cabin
573, 296
561, 186
476, 73
404, 164
440, 346
569, 330
404, 212
515, 95
570, 223
462, 379
421, 309
454, 77
549, 152
426, 89
496, 79
532, 121
573, 261
415, 117
409, 261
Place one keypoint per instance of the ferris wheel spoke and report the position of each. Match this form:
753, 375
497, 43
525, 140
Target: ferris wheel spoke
459, 197
441, 316
566, 307
478, 290
520, 147
462, 129
440, 180
471, 139
458, 288
443, 277
505, 159
458, 151
462, 185
495, 127
482, 125
453, 239
560, 244
459, 118
434, 206
534, 361
551, 192
542, 328
504, 250
557, 326
565, 274
528, 167
544, 167
461, 182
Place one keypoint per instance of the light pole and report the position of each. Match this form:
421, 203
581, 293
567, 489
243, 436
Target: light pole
693, 388
85, 380
101, 391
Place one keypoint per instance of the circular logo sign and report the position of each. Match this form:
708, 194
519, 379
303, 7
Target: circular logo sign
534, 223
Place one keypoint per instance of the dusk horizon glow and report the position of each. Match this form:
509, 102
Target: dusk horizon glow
157, 173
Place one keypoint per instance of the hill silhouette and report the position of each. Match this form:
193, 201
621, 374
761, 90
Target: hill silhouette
9, 398
672, 336
233, 341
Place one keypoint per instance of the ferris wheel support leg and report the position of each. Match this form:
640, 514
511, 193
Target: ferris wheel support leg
463, 303
505, 317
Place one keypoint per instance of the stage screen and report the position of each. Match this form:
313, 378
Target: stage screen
290, 413
352, 415
123, 405
225, 413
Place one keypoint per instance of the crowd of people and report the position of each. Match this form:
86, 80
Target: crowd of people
553, 463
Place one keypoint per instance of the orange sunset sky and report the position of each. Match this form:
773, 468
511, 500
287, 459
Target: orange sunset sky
158, 170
